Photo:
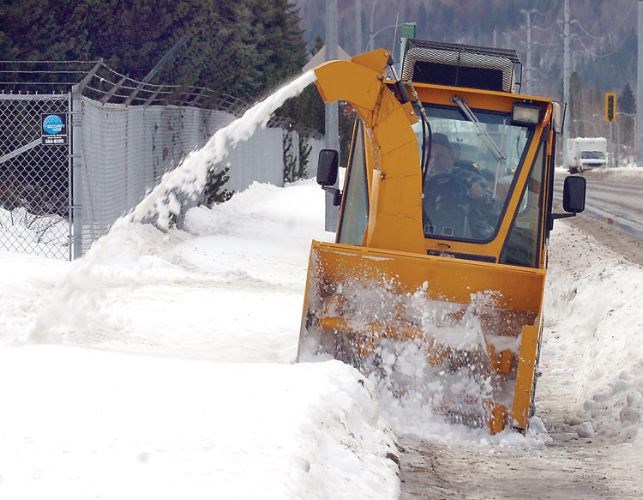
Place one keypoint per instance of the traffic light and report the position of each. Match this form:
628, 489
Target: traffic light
610, 106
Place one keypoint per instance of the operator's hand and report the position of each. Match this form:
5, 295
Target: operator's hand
480, 193
477, 191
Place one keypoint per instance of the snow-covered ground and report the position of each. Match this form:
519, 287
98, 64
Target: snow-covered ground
161, 364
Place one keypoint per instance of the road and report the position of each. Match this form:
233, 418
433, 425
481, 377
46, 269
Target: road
614, 198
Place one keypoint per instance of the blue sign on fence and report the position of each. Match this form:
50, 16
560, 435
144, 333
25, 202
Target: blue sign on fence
54, 128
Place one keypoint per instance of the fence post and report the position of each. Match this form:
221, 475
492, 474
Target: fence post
76, 98
76, 172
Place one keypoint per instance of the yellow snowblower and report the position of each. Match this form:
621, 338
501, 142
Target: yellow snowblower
438, 269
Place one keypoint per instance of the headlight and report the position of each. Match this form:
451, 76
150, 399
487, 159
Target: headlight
525, 114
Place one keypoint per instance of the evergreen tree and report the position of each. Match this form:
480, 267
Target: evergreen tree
307, 109
241, 48
289, 157
626, 101
44, 30
304, 156
626, 105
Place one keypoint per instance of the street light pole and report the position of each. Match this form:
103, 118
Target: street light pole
566, 71
331, 121
371, 35
358, 27
527, 14
639, 91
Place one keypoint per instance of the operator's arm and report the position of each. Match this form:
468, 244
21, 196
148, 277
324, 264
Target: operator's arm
478, 189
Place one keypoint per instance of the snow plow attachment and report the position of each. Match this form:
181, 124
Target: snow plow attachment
436, 278
475, 324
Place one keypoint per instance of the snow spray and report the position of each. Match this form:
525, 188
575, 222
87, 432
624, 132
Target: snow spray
182, 187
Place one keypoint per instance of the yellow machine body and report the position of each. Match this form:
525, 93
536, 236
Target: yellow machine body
392, 282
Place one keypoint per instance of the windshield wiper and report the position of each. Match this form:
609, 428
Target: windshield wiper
491, 144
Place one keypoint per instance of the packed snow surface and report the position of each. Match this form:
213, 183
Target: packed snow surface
161, 366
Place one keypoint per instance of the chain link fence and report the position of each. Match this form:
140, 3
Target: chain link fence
35, 177
120, 136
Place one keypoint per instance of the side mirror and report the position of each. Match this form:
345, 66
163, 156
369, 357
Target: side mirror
574, 194
327, 167
573, 198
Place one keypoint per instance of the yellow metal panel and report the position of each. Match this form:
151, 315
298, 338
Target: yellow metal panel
449, 279
391, 225
517, 301
525, 376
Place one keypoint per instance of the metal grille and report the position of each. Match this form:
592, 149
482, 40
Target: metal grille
34, 178
442, 55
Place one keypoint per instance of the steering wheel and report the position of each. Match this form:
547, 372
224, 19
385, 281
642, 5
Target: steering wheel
444, 205
444, 191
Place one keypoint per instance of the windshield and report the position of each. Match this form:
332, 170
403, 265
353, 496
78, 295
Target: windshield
592, 155
469, 177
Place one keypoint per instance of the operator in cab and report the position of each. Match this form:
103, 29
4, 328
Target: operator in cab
457, 200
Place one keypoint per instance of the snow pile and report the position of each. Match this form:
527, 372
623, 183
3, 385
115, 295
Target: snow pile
27, 284
631, 172
87, 423
246, 423
46, 235
223, 411
593, 314
250, 264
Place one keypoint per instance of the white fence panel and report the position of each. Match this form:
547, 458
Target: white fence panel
126, 150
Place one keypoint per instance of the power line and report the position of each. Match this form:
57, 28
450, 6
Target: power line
607, 35
594, 54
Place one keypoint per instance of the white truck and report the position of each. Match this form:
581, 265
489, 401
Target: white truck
583, 153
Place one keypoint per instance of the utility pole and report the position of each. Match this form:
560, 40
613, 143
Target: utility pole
639, 92
331, 122
358, 27
371, 33
528, 68
566, 74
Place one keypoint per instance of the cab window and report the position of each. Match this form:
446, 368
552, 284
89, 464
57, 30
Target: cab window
523, 243
470, 173
354, 216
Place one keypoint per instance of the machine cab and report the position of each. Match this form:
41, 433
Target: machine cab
486, 156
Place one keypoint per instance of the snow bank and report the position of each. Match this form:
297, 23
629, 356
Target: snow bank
27, 284
223, 411
622, 173
594, 332
78, 423
231, 291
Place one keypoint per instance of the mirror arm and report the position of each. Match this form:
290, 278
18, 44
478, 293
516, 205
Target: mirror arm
562, 216
337, 195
